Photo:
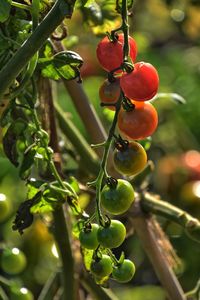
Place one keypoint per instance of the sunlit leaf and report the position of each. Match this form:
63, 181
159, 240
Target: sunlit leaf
87, 257
171, 96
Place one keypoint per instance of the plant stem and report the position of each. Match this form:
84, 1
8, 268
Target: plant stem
59, 11
20, 5
146, 232
61, 233
102, 171
162, 208
50, 287
125, 29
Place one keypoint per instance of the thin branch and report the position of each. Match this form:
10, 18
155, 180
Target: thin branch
147, 235
50, 287
159, 207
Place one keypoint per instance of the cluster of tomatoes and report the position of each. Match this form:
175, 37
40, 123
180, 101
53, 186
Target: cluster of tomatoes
134, 87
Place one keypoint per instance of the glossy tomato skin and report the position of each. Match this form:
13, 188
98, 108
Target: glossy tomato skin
102, 267
21, 294
109, 92
13, 261
131, 160
139, 123
88, 238
124, 272
113, 235
117, 200
142, 83
110, 54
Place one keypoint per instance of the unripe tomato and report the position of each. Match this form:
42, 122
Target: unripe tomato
124, 272
13, 261
5, 207
109, 92
139, 123
110, 54
21, 294
142, 83
102, 267
131, 160
117, 199
113, 235
88, 237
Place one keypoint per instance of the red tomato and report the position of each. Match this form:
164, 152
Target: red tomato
110, 54
109, 92
139, 123
142, 83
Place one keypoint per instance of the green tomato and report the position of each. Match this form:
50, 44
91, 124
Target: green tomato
117, 200
131, 160
102, 267
21, 294
5, 207
124, 272
112, 236
13, 261
88, 237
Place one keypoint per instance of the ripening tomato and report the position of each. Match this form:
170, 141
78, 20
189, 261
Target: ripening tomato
117, 199
139, 123
102, 267
88, 237
142, 83
110, 54
124, 272
112, 236
130, 160
109, 92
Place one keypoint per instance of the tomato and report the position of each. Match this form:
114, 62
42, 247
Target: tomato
112, 236
124, 272
88, 237
21, 294
5, 207
110, 54
139, 123
102, 267
109, 92
13, 261
142, 83
130, 160
117, 200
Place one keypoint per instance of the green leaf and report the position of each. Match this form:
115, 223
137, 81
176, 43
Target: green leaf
74, 205
74, 184
67, 57
10, 140
50, 72
77, 227
5, 6
33, 186
27, 163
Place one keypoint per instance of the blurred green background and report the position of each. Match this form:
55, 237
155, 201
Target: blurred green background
168, 36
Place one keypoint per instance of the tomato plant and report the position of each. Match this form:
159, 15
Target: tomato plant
112, 235
130, 159
110, 53
124, 272
142, 83
71, 184
138, 123
116, 199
